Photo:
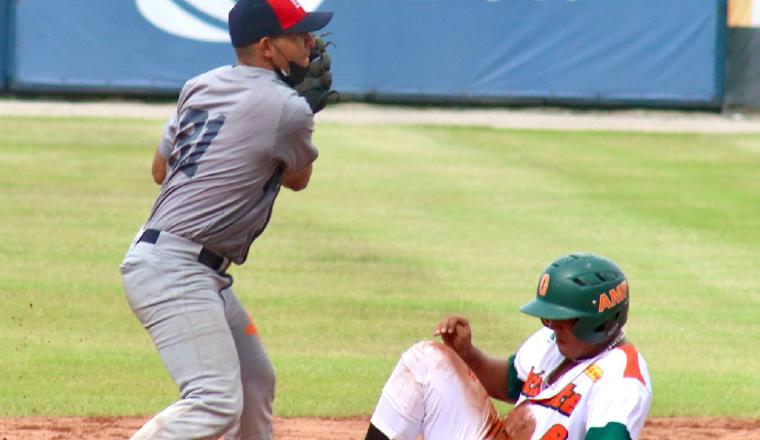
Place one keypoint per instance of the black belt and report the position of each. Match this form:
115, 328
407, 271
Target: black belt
206, 257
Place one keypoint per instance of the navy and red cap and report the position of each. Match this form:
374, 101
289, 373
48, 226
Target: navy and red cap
251, 20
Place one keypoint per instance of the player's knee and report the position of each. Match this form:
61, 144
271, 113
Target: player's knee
427, 346
260, 381
229, 408
428, 355
429, 350
420, 347
226, 407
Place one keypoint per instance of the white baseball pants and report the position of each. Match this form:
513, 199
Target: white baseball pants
433, 393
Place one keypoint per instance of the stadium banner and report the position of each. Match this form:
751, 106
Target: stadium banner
141, 46
545, 51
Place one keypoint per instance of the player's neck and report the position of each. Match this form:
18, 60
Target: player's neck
560, 371
619, 339
567, 364
255, 63
255, 58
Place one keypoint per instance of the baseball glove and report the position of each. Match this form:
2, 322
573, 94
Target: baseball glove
315, 87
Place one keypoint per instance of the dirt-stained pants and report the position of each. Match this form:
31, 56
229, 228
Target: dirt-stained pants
432, 392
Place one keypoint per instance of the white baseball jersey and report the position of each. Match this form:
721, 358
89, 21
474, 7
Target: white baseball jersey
613, 388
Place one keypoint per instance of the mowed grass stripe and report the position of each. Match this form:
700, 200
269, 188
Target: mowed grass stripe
400, 225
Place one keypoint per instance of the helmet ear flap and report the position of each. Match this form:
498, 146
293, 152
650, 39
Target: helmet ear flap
603, 330
619, 320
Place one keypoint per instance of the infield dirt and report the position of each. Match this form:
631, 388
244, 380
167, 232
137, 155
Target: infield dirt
107, 428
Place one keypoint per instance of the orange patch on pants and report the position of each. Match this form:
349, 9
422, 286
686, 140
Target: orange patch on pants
250, 329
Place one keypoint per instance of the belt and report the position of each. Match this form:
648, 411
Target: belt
206, 257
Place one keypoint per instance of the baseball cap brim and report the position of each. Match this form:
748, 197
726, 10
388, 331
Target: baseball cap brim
313, 21
546, 310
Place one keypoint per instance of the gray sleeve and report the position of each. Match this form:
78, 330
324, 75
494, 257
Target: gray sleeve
294, 147
166, 145
167, 137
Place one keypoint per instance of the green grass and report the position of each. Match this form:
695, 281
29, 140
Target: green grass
399, 226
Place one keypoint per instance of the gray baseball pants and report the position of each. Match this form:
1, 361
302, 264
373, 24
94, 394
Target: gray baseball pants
206, 340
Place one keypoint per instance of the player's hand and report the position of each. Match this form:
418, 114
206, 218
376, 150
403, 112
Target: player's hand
456, 333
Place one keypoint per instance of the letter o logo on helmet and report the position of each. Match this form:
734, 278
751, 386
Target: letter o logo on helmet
588, 288
543, 285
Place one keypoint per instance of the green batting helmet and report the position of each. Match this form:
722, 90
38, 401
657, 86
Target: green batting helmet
586, 287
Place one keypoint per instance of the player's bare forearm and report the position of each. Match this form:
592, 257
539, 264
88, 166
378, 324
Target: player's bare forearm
158, 168
298, 180
492, 372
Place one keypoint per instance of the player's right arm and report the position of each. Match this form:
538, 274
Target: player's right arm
297, 181
492, 372
159, 166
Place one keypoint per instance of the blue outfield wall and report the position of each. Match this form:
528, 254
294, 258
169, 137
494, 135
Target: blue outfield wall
5, 35
586, 51
94, 45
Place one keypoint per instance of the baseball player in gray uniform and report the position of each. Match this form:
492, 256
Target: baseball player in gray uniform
239, 134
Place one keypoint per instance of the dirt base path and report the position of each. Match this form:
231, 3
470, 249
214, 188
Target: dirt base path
108, 428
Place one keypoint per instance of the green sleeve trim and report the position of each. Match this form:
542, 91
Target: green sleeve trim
613, 431
514, 384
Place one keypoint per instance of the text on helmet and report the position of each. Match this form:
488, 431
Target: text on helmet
614, 297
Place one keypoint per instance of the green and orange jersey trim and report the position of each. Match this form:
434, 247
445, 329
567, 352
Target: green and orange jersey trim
611, 431
632, 368
514, 384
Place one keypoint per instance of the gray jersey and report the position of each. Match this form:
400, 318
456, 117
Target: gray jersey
167, 138
236, 130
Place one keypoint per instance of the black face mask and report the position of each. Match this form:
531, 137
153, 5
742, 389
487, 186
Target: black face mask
295, 74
